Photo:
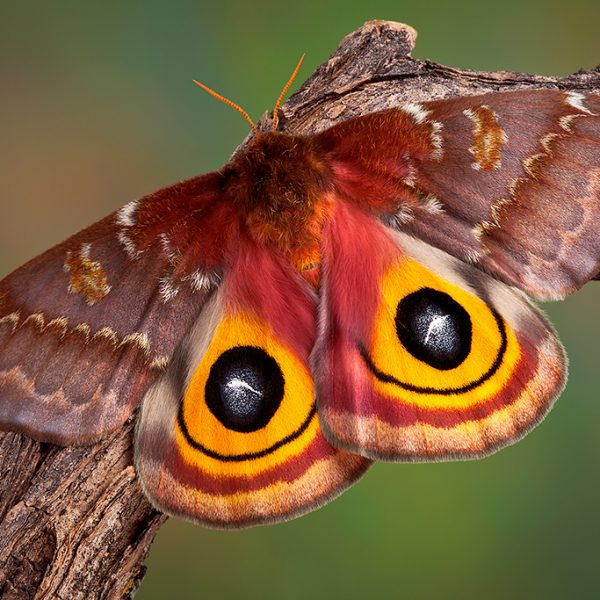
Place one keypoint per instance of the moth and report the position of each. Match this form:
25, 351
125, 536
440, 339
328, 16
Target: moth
320, 302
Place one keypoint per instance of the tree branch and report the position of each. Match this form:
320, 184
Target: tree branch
74, 522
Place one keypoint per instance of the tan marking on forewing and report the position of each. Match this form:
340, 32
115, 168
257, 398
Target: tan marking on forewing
87, 277
61, 326
160, 363
417, 111
126, 219
433, 205
139, 340
167, 289
58, 401
198, 280
488, 138
480, 230
106, 333
532, 163
202, 281
420, 116
83, 329
12, 318
437, 140
566, 122
404, 214
36, 319
576, 100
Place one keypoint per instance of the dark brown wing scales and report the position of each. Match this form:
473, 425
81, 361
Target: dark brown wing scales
517, 188
86, 327
506, 181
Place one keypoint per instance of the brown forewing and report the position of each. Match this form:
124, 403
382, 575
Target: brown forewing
506, 181
517, 187
86, 327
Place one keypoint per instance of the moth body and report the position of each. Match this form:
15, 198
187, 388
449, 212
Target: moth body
320, 302
280, 185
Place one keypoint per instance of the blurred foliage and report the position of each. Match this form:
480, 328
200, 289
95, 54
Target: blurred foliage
97, 107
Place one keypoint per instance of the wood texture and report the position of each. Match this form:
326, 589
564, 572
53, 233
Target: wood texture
73, 521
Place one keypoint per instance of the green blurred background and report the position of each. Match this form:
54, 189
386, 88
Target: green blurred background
97, 107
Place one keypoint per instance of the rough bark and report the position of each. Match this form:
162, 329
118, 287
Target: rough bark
74, 522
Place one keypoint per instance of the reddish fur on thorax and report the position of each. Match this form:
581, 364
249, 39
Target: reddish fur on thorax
281, 190
284, 186
280, 186
372, 158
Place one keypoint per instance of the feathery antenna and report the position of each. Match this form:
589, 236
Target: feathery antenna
242, 111
284, 92
228, 102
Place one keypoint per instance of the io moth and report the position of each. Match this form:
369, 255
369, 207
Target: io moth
320, 302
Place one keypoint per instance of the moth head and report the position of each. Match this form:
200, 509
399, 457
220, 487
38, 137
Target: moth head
278, 172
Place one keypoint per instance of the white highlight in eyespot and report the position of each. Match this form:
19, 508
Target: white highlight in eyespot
436, 325
240, 384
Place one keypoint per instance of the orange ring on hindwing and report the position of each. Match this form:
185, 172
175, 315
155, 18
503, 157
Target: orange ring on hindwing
398, 371
222, 445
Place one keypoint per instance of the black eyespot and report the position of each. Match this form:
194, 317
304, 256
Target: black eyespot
244, 388
434, 328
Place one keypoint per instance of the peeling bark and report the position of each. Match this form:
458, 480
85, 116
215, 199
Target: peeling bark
74, 522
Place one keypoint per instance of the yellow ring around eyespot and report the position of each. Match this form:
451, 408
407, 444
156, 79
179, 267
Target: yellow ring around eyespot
247, 468
241, 329
391, 357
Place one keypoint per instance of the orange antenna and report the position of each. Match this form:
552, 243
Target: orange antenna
228, 102
284, 92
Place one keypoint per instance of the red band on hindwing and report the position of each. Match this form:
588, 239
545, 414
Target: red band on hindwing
193, 462
507, 382
346, 380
